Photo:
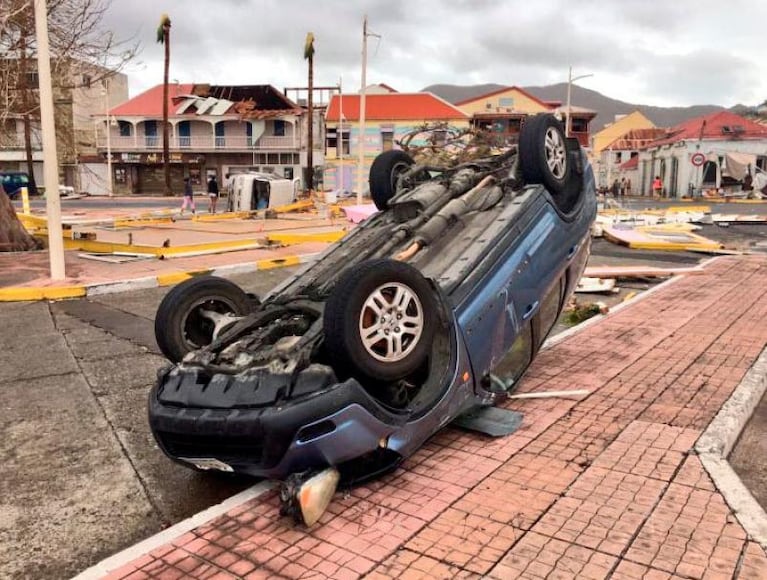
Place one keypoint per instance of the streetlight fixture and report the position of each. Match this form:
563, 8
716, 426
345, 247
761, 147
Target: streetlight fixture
570, 81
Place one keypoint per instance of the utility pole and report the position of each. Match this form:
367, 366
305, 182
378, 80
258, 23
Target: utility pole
361, 132
110, 187
340, 136
50, 159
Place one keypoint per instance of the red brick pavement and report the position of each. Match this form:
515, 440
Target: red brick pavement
603, 487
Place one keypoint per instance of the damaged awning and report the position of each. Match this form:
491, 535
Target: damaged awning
738, 165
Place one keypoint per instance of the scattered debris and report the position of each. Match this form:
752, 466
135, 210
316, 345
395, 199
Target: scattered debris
576, 313
596, 285
552, 394
115, 257
637, 271
658, 238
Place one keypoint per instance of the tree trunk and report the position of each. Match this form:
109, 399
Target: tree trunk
13, 236
165, 136
24, 86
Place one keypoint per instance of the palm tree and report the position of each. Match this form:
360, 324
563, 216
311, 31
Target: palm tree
309, 55
163, 37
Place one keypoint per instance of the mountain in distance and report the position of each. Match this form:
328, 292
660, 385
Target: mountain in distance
605, 107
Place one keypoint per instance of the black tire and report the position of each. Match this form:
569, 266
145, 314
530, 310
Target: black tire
348, 312
179, 327
384, 171
544, 156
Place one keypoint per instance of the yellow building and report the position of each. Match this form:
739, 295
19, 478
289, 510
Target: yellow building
504, 110
618, 129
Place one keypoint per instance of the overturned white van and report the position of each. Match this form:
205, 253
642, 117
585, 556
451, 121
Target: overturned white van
254, 191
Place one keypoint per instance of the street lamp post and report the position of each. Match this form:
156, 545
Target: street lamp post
570, 81
50, 159
110, 189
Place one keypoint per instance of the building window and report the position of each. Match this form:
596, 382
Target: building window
439, 137
346, 137
126, 129
184, 134
150, 132
387, 140
286, 159
273, 159
220, 135
579, 125
87, 81
279, 128
617, 158
33, 79
506, 102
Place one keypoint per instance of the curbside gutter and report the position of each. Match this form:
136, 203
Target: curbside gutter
716, 443
23, 294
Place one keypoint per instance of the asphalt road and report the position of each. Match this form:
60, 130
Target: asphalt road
82, 477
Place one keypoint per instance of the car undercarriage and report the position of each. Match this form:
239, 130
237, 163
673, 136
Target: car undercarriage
392, 333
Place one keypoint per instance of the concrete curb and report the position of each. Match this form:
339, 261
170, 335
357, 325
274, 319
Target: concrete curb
23, 294
131, 553
717, 441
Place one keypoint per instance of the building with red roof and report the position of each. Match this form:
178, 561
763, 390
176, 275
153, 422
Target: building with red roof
389, 116
714, 151
214, 130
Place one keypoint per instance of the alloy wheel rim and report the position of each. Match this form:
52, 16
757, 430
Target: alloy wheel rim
556, 157
391, 322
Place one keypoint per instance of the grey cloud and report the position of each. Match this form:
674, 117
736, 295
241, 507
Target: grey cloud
460, 42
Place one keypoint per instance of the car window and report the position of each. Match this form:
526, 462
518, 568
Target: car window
514, 362
549, 311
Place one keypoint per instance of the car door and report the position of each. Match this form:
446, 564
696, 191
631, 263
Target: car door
505, 302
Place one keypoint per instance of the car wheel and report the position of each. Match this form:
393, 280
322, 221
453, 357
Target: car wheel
384, 171
380, 320
544, 156
193, 313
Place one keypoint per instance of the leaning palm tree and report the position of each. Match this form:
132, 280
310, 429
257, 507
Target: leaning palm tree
163, 37
309, 55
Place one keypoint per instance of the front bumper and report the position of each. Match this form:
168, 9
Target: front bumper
245, 424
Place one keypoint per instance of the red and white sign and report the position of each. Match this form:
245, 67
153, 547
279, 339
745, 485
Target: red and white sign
698, 159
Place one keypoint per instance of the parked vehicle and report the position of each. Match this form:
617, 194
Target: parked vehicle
254, 191
13, 181
432, 307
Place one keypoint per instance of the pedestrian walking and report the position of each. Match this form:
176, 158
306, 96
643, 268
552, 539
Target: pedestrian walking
212, 193
623, 186
657, 186
188, 197
628, 186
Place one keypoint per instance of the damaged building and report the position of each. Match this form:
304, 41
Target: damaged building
214, 130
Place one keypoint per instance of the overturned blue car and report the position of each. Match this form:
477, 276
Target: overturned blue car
431, 308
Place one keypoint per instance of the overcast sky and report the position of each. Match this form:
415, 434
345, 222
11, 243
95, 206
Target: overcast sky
654, 52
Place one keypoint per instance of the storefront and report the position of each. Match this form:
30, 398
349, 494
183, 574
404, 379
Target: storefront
145, 172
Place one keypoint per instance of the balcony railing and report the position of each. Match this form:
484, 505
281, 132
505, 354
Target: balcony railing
14, 144
193, 143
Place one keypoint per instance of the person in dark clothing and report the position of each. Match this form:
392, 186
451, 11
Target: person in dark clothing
212, 193
188, 196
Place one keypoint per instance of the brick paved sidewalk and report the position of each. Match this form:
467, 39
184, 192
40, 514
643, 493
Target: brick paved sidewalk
603, 487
